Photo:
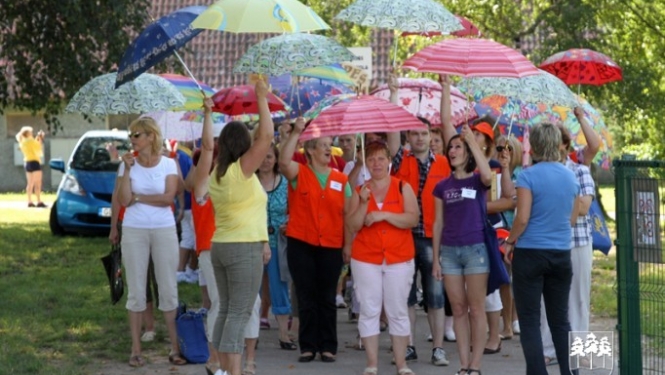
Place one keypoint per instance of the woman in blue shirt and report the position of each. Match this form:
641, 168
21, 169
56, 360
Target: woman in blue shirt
546, 211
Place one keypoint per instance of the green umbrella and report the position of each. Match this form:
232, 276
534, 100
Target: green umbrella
146, 93
291, 52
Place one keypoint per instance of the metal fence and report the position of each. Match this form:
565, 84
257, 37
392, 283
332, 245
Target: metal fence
640, 214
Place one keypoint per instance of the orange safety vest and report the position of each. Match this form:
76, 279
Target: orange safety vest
438, 171
383, 240
316, 216
203, 217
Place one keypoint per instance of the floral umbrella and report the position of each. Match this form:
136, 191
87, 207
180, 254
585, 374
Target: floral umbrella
538, 88
422, 97
291, 52
146, 93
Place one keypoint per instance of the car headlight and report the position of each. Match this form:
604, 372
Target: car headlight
71, 185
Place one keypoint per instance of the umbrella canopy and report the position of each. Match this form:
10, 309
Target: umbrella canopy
323, 104
185, 126
239, 100
304, 94
471, 58
583, 66
292, 52
363, 114
469, 29
147, 93
422, 97
332, 72
260, 16
538, 88
402, 15
157, 42
190, 90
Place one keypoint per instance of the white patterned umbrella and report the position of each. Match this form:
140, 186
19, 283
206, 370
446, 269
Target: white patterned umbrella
402, 15
291, 52
539, 88
185, 125
146, 93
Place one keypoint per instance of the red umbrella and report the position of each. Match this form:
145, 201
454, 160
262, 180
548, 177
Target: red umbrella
469, 30
471, 58
583, 66
422, 97
363, 114
240, 100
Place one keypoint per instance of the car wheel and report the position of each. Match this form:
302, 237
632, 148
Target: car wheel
56, 229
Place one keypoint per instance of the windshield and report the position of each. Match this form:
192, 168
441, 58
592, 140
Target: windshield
100, 154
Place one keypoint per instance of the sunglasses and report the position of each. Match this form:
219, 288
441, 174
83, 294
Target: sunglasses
135, 134
501, 148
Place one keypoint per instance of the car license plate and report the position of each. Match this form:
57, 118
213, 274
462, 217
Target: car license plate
105, 212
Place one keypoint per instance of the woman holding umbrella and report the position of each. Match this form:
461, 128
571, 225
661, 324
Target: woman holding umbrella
319, 196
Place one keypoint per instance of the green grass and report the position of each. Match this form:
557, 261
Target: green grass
56, 312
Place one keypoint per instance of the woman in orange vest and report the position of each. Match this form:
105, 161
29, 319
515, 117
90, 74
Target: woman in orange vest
318, 198
382, 213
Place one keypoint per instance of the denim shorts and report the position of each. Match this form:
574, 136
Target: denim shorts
432, 288
464, 260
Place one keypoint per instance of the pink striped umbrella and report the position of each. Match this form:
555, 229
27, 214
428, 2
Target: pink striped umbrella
363, 114
471, 58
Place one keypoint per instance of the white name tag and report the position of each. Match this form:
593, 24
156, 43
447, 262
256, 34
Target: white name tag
468, 193
336, 185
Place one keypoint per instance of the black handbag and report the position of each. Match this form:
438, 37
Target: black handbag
113, 267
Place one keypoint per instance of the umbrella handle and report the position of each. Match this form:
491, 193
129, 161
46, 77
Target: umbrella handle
189, 72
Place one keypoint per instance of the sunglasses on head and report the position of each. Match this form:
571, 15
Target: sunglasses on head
135, 134
501, 148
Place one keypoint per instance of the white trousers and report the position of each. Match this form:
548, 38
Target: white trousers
387, 286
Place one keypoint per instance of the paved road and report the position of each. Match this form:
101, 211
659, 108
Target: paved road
274, 361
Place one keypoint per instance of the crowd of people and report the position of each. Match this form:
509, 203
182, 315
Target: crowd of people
281, 218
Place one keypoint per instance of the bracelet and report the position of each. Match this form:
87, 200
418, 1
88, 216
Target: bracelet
509, 243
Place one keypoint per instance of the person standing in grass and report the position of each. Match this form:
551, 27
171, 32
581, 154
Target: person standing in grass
32, 149
148, 184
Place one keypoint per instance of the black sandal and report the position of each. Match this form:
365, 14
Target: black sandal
287, 345
306, 357
469, 371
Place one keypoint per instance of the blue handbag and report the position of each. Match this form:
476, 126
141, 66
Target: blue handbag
498, 275
599, 234
191, 335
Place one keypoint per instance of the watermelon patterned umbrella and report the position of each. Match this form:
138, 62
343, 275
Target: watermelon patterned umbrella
579, 66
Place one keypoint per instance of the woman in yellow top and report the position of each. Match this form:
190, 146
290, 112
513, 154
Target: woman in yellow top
240, 242
32, 149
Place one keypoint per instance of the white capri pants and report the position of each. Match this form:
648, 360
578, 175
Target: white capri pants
138, 245
387, 286
253, 325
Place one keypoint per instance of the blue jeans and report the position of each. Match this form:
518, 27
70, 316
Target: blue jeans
432, 288
545, 273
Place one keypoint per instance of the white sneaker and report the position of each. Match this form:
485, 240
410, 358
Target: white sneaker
148, 336
516, 327
429, 337
449, 336
339, 301
181, 277
192, 276
439, 357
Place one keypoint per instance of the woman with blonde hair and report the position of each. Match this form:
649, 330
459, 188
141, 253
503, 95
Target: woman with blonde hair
148, 185
32, 149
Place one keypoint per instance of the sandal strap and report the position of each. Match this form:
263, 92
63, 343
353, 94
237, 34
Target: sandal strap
370, 370
471, 370
405, 371
465, 370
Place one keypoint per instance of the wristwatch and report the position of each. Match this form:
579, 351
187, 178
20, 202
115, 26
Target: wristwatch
136, 198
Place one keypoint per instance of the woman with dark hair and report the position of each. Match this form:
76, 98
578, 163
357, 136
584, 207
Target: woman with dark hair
381, 216
547, 209
240, 242
275, 186
458, 237
319, 197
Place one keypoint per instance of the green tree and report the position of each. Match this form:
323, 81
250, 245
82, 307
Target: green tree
49, 49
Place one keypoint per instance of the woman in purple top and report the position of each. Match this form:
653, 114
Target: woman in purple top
458, 226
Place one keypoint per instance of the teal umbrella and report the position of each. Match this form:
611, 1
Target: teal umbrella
538, 88
292, 52
146, 93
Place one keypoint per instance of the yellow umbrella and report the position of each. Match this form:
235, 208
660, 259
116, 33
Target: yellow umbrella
259, 16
